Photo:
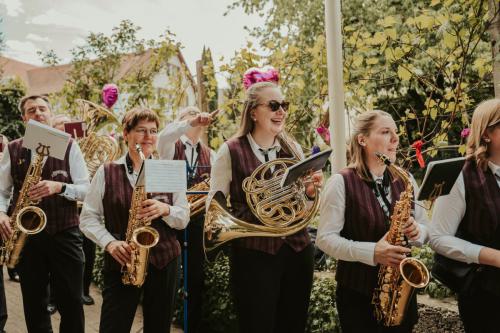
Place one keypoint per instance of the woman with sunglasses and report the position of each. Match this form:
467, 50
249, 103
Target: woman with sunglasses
355, 214
270, 277
466, 223
109, 199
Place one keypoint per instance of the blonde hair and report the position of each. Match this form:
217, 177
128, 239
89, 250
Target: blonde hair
362, 126
486, 114
251, 102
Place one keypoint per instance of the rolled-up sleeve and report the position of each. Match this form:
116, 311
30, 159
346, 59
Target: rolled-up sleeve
92, 215
79, 175
448, 212
179, 212
331, 223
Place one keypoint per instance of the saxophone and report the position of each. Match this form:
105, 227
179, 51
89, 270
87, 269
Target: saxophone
396, 286
26, 219
140, 236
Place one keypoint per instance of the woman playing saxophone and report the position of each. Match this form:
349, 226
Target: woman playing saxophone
355, 216
110, 199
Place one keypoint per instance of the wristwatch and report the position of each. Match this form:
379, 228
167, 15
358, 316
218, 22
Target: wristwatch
63, 188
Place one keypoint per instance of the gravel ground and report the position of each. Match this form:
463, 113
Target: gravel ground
438, 319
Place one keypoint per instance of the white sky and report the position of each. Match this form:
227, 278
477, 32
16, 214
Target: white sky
31, 25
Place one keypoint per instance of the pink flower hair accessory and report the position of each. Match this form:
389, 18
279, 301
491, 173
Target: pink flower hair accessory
264, 74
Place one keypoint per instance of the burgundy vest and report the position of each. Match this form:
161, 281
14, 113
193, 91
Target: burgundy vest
364, 222
481, 221
204, 166
116, 202
61, 213
243, 163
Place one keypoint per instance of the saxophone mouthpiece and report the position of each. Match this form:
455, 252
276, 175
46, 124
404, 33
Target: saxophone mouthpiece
383, 158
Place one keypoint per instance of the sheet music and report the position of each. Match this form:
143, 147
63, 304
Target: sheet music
46, 139
165, 176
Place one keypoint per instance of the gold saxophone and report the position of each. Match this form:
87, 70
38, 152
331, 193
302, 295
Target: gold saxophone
96, 148
27, 219
396, 286
282, 211
140, 236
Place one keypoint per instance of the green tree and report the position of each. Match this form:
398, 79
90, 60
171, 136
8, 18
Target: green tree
99, 61
11, 92
427, 62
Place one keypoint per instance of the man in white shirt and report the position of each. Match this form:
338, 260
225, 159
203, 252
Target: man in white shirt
56, 251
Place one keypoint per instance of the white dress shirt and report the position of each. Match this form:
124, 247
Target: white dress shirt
74, 192
332, 219
92, 216
221, 175
168, 137
448, 212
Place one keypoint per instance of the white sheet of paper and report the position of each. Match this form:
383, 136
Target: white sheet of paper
38, 135
165, 176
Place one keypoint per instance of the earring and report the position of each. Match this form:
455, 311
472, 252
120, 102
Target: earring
487, 140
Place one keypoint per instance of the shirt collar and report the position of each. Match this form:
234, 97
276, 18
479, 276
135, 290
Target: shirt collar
186, 141
494, 168
121, 160
275, 146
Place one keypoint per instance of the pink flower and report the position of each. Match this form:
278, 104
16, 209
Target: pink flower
324, 132
465, 132
109, 94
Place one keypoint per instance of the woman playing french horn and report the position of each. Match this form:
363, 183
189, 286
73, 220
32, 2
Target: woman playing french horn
270, 277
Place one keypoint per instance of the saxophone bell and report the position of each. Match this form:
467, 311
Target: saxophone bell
31, 220
145, 237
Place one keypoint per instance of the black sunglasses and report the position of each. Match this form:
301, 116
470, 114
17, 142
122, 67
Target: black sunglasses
275, 105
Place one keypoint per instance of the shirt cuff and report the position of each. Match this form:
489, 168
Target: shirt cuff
422, 238
367, 253
471, 251
105, 240
174, 220
69, 192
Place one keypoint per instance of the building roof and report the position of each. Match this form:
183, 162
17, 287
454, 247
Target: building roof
51, 79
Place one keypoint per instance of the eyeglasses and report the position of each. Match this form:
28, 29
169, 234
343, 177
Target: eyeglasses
143, 131
275, 105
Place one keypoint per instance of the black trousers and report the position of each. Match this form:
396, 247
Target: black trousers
89, 252
271, 292
356, 313
195, 271
479, 310
120, 301
59, 259
3, 303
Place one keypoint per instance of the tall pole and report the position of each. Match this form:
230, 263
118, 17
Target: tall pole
336, 109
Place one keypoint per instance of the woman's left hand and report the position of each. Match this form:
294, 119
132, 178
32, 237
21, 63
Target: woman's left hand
316, 180
412, 229
153, 209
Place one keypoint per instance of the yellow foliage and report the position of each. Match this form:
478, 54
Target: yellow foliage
403, 73
449, 40
391, 33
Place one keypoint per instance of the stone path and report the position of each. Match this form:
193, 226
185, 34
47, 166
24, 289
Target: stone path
16, 324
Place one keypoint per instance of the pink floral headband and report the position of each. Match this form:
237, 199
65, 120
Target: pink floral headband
264, 74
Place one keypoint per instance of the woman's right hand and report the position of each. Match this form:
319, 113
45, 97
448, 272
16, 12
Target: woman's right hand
389, 255
120, 250
5, 229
